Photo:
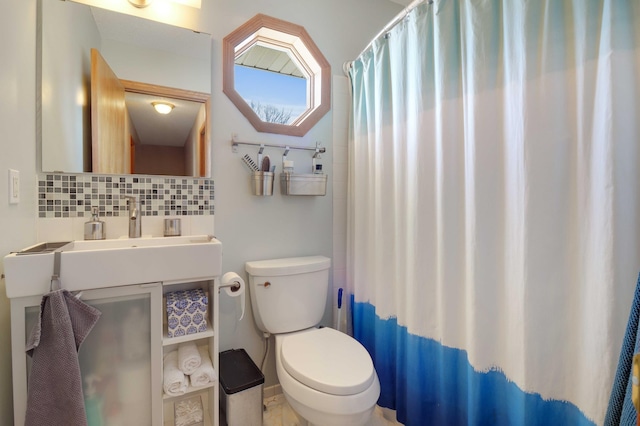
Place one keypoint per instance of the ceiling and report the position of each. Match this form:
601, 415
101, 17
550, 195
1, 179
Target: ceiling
150, 34
279, 61
157, 129
269, 59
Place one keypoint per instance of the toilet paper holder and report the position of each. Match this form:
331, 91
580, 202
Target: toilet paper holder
235, 286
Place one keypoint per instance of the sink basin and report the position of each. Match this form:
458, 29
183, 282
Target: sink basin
117, 262
44, 248
137, 242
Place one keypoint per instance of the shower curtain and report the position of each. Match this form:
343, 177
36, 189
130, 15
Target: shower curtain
494, 208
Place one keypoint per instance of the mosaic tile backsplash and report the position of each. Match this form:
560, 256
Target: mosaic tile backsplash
66, 195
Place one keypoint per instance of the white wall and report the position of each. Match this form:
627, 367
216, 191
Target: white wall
69, 33
250, 227
163, 68
254, 228
341, 105
17, 151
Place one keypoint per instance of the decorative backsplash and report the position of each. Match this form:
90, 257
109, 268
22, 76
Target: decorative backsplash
70, 195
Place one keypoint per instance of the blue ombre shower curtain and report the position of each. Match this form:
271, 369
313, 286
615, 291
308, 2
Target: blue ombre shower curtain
494, 208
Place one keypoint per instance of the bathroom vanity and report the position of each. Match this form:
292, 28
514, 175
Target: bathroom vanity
121, 360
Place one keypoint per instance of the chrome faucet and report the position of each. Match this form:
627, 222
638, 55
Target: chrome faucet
135, 225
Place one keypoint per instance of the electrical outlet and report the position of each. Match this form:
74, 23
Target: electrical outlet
14, 186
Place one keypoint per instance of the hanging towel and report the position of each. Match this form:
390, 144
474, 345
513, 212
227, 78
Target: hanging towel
205, 373
174, 380
188, 357
54, 396
621, 410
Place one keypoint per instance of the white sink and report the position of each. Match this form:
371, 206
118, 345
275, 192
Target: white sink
110, 263
137, 242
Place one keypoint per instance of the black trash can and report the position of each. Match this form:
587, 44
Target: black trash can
241, 383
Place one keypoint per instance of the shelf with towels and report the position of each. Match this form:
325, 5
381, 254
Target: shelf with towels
202, 293
191, 390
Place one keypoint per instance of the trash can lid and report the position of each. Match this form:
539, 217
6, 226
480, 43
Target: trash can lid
238, 372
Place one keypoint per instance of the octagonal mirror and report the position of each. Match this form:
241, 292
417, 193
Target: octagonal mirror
276, 76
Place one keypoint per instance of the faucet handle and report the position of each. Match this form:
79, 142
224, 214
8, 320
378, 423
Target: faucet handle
131, 198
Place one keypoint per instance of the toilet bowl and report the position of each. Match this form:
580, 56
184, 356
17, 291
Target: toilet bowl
327, 377
332, 386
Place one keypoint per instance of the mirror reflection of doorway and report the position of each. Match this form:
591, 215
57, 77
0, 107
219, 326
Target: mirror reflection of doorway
202, 152
134, 138
132, 162
109, 149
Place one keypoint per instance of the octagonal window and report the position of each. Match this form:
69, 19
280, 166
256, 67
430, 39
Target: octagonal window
271, 82
276, 76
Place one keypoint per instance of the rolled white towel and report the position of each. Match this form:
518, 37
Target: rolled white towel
188, 357
174, 380
205, 373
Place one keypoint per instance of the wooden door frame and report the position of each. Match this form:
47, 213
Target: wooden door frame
187, 95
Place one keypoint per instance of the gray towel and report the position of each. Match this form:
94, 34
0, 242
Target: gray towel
54, 395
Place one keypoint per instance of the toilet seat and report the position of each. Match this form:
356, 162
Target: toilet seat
328, 361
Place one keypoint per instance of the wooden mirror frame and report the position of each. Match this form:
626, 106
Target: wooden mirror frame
317, 107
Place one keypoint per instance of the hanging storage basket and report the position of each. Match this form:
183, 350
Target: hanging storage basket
303, 184
262, 183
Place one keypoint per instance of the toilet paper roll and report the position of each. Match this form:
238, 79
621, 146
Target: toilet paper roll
236, 288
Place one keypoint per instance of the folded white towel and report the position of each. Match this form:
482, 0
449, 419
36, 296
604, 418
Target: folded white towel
175, 382
205, 373
188, 357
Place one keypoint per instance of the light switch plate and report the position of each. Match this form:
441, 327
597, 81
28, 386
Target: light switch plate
14, 186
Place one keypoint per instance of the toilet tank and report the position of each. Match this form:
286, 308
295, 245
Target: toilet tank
288, 294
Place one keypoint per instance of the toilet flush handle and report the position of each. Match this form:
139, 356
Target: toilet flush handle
266, 284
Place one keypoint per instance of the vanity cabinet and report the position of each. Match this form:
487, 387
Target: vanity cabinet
121, 360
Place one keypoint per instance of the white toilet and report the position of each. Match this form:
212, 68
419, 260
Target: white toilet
326, 376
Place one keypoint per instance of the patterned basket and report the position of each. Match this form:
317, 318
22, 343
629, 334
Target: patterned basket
186, 312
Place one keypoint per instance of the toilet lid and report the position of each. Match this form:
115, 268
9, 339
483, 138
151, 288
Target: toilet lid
328, 361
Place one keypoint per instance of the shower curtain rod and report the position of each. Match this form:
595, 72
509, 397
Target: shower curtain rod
399, 17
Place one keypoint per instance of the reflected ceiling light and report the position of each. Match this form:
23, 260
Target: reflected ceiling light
163, 107
140, 3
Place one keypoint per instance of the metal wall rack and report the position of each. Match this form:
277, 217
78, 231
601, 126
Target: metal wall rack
291, 184
317, 149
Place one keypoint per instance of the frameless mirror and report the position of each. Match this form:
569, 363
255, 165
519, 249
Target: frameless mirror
276, 76
153, 62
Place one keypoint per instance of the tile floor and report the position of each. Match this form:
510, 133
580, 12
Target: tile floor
279, 413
